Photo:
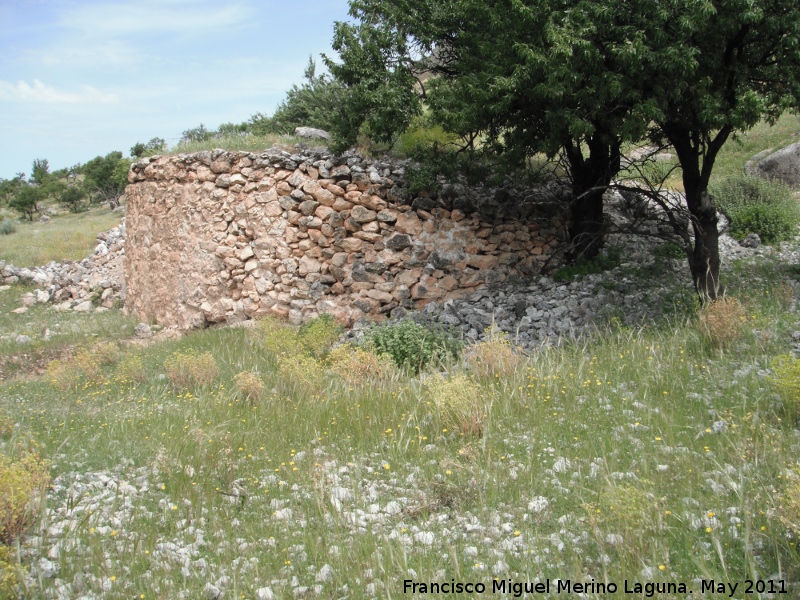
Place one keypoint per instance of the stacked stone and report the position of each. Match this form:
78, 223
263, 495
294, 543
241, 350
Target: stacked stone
224, 236
96, 282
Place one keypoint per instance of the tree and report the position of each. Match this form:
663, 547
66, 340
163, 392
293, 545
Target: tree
40, 171
523, 77
310, 104
579, 77
196, 134
106, 177
27, 200
154, 146
71, 197
9, 187
716, 68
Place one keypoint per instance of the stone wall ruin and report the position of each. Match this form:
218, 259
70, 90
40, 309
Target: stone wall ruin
222, 236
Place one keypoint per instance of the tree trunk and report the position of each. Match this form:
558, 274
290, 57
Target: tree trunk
586, 232
590, 177
704, 259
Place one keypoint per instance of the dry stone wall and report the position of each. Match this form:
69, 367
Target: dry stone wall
224, 236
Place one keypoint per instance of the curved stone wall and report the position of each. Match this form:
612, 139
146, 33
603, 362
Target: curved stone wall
224, 236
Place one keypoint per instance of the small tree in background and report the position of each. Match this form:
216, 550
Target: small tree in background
155, 146
106, 176
27, 200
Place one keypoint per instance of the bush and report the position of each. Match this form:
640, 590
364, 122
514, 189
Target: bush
22, 485
496, 356
357, 365
789, 505
318, 335
786, 380
186, 370
131, 368
63, 374
249, 385
756, 205
462, 404
105, 353
411, 345
723, 322
7, 227
305, 373
9, 567
669, 250
279, 338
602, 262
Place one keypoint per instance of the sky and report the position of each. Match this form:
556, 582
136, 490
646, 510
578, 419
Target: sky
81, 78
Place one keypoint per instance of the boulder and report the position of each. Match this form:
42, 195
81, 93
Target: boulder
783, 165
311, 133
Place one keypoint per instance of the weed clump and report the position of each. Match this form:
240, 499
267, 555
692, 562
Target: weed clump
357, 365
756, 205
105, 353
63, 375
186, 370
722, 322
319, 335
602, 262
6, 426
249, 385
22, 483
462, 404
9, 566
7, 227
789, 506
496, 356
305, 372
411, 345
131, 368
786, 380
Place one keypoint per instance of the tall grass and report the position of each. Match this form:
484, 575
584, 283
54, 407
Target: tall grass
651, 455
71, 236
246, 143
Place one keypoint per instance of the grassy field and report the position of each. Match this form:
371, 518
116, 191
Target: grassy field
647, 455
69, 236
248, 143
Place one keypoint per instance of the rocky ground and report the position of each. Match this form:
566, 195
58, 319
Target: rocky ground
539, 310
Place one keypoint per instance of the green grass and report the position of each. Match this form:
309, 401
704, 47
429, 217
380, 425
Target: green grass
247, 143
607, 459
68, 236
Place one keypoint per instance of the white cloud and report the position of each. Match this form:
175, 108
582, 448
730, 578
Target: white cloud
155, 17
39, 92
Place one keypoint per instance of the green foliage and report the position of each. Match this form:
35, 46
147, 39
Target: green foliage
7, 227
603, 262
71, 197
9, 567
318, 335
412, 345
196, 134
786, 380
155, 146
669, 250
106, 177
789, 505
756, 205
27, 200
23, 481
40, 172
422, 135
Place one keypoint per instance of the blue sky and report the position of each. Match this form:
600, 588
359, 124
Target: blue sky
80, 78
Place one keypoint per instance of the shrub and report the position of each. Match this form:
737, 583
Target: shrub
756, 205
789, 505
462, 404
189, 369
624, 510
131, 368
357, 365
106, 353
63, 374
722, 322
411, 345
786, 380
250, 385
6, 426
7, 227
304, 372
86, 364
318, 335
22, 485
278, 338
9, 567
602, 262
496, 356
